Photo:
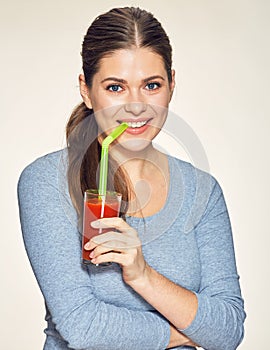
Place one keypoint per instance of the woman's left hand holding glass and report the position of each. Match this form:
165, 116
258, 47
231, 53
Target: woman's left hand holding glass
120, 245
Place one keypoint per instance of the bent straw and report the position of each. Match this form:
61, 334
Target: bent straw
105, 155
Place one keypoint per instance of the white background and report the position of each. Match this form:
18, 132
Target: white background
221, 57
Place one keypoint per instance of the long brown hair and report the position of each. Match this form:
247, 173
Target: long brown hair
120, 28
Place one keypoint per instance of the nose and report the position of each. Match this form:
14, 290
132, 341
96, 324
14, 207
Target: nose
136, 108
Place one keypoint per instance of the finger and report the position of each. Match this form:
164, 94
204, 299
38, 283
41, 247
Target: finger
113, 240
109, 257
115, 246
102, 238
107, 237
117, 240
117, 223
103, 249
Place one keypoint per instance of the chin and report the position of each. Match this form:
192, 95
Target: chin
135, 144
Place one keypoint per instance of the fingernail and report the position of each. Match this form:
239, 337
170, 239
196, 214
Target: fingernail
95, 224
92, 255
87, 246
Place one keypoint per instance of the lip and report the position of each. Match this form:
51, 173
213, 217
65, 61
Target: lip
134, 120
136, 131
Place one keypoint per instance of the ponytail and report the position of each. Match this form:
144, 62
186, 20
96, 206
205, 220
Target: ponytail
84, 153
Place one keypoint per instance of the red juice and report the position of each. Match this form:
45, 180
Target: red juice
95, 209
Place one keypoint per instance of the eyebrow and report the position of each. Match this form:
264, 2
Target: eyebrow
114, 79
123, 81
153, 77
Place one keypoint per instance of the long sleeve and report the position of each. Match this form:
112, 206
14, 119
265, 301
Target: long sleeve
218, 324
53, 244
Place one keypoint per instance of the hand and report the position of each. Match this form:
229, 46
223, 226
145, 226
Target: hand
122, 246
179, 339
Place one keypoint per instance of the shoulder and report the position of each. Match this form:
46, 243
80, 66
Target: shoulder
43, 188
46, 168
192, 177
52, 160
200, 191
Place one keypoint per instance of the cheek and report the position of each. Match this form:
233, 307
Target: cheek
99, 99
105, 100
103, 120
161, 100
106, 117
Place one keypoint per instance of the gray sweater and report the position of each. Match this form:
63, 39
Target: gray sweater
189, 241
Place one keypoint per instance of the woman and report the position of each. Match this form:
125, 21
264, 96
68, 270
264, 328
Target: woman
173, 281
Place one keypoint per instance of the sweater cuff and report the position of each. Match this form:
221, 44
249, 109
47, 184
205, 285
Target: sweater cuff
199, 317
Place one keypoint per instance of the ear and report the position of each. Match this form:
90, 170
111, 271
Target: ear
172, 85
85, 91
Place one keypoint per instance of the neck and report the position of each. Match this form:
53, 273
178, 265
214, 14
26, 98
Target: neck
139, 162
148, 173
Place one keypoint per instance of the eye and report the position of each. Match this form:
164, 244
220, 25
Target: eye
153, 86
114, 88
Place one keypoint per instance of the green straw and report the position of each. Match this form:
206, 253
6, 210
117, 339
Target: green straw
104, 157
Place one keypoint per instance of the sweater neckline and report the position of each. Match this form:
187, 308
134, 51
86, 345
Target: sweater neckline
168, 198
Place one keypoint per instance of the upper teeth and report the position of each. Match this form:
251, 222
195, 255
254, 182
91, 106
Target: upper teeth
136, 124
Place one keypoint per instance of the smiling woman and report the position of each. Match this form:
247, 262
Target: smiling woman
172, 281
135, 79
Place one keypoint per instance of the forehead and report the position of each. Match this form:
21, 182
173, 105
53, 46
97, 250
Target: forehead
133, 63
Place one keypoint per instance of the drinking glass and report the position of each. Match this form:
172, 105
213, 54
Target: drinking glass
97, 206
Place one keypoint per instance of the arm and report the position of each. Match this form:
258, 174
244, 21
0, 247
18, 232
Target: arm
179, 339
124, 247
53, 246
214, 316
220, 305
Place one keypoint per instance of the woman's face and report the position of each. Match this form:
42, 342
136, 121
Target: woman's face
131, 86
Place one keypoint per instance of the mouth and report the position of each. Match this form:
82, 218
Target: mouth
135, 124
136, 127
